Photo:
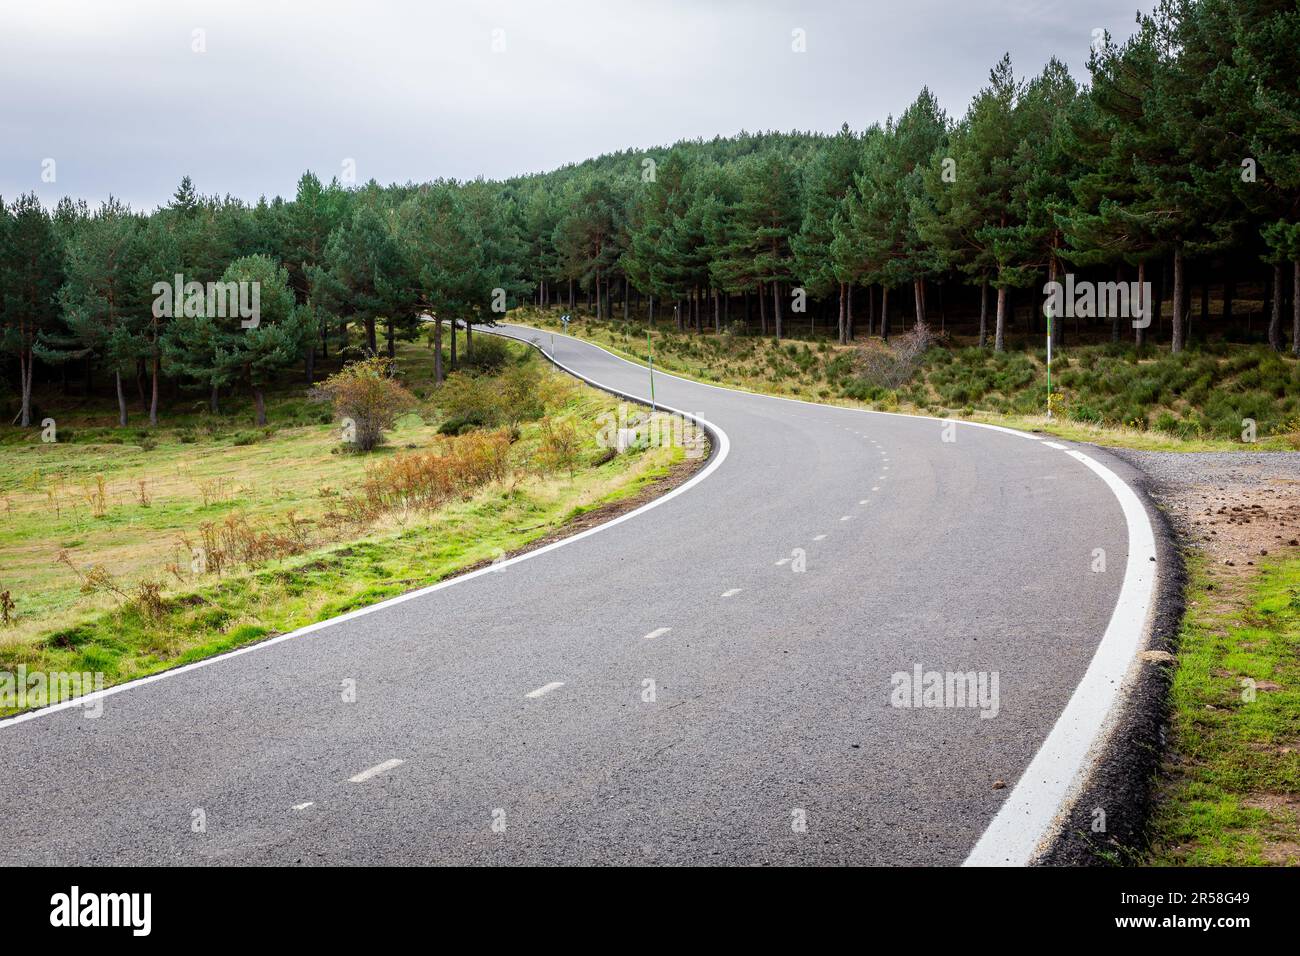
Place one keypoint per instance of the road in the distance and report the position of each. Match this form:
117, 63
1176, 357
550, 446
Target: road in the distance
770, 737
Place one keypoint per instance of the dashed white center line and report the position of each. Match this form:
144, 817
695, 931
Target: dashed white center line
783, 561
376, 770
819, 537
304, 806
876, 488
847, 518
732, 592
657, 632
865, 501
545, 689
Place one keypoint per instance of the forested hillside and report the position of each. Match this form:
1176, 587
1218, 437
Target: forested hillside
1178, 164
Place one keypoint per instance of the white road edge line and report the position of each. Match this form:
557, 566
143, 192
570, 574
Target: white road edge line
1058, 771
374, 771
545, 689
720, 453
657, 632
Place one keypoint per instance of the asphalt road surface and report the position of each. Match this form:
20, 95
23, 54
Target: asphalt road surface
507, 718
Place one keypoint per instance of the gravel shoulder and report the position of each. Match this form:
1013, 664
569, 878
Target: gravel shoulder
1195, 763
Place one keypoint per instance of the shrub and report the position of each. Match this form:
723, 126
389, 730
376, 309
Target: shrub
560, 446
891, 367
469, 401
429, 479
490, 354
367, 393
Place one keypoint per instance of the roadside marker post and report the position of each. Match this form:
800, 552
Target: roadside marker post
1047, 309
650, 358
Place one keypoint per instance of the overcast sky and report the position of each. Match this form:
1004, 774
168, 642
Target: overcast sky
126, 97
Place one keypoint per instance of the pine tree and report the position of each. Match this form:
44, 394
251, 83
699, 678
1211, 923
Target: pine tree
102, 309
828, 181
31, 272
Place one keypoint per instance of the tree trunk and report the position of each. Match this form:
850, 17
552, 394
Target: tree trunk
25, 386
469, 339
848, 315
776, 307
259, 402
437, 351
155, 375
1058, 321
842, 305
984, 313
392, 341
871, 310
1295, 308
1115, 319
1275, 320
920, 305
213, 399
121, 399
1229, 290
309, 361
372, 343
1145, 314
884, 313
1000, 322
762, 311
1177, 335
454, 336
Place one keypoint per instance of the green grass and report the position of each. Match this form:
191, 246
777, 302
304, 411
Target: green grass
1228, 798
292, 471
1108, 394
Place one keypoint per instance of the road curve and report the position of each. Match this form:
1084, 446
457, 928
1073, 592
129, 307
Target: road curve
672, 689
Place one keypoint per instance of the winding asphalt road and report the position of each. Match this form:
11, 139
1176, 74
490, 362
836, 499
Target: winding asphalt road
505, 719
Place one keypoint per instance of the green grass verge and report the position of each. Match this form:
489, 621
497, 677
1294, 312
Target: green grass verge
294, 472
1229, 791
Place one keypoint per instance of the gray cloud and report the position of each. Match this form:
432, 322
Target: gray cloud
114, 93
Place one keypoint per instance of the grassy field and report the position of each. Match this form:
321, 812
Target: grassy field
98, 538
1231, 797
1108, 394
